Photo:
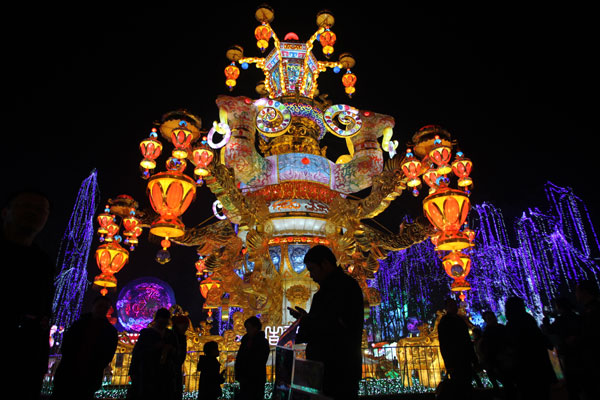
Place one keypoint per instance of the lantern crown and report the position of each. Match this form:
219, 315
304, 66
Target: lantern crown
291, 68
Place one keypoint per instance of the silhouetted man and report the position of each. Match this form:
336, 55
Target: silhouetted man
588, 344
457, 351
30, 273
251, 361
88, 347
333, 327
532, 371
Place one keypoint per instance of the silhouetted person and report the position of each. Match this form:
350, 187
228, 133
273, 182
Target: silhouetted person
564, 332
251, 361
532, 370
30, 273
332, 329
588, 342
87, 349
495, 356
457, 351
151, 370
209, 387
180, 323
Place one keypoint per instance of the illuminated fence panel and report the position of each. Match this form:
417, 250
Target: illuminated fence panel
386, 370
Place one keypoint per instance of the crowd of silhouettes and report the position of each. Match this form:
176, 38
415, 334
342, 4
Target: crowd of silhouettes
516, 357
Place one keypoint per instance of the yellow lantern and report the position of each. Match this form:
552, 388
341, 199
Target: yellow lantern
170, 195
110, 258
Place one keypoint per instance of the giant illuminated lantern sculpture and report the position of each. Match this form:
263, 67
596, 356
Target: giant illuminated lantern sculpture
277, 192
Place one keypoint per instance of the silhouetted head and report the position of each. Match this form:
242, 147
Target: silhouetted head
586, 291
162, 317
451, 306
25, 213
514, 307
180, 323
211, 349
563, 305
253, 325
320, 262
101, 306
489, 317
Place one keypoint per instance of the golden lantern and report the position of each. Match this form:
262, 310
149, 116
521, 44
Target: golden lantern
447, 209
181, 138
457, 265
462, 168
151, 149
170, 194
441, 154
110, 258
104, 220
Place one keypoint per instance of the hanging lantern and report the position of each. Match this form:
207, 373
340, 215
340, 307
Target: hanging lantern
151, 149
207, 284
104, 220
457, 265
132, 229
200, 266
327, 39
202, 158
170, 195
411, 167
262, 33
441, 154
231, 73
430, 177
462, 168
112, 231
110, 258
349, 80
181, 138
447, 209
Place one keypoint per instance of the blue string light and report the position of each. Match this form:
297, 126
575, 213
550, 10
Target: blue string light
71, 282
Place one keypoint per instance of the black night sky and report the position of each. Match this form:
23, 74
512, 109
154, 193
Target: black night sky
82, 86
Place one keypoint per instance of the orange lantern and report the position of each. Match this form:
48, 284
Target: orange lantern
151, 149
132, 229
430, 177
202, 157
170, 194
181, 138
104, 220
349, 80
411, 167
447, 209
200, 267
262, 33
207, 284
457, 265
110, 258
231, 73
462, 168
441, 154
327, 39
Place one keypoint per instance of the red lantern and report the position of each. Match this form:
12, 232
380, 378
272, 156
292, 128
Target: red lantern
430, 177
